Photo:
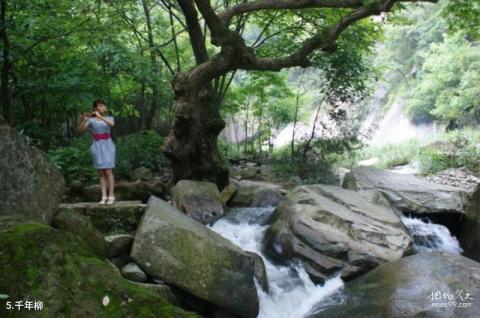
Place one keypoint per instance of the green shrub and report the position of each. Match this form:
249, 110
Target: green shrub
433, 161
75, 161
228, 150
463, 152
317, 166
297, 172
452, 150
390, 156
470, 158
135, 150
141, 149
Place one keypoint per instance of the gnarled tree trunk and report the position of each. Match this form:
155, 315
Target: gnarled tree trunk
192, 143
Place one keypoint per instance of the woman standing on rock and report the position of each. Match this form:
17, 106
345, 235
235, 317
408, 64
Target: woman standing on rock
103, 148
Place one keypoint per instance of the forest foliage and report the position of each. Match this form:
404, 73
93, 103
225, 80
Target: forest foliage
433, 62
63, 54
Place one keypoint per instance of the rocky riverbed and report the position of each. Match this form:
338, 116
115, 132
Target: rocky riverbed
380, 246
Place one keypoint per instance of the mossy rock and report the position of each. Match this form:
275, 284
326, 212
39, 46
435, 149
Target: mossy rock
122, 217
31, 184
56, 267
82, 226
186, 254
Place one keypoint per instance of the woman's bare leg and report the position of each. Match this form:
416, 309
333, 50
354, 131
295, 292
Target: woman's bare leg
111, 182
103, 182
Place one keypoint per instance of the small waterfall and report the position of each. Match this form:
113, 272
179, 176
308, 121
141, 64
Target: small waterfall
291, 292
429, 236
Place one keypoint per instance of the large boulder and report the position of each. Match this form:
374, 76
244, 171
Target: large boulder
470, 231
266, 198
409, 193
182, 252
255, 193
436, 285
332, 229
198, 199
31, 185
56, 267
122, 217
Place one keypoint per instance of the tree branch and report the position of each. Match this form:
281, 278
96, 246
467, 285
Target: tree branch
265, 39
56, 36
236, 55
265, 28
324, 40
220, 34
168, 6
259, 5
194, 31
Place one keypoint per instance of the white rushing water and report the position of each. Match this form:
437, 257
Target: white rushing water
429, 236
291, 292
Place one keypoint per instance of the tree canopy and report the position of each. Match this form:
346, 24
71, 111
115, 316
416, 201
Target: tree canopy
59, 55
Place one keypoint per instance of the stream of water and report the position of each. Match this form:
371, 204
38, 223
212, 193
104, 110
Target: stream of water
429, 236
291, 292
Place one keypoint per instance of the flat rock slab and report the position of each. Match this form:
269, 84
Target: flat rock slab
407, 192
124, 191
122, 217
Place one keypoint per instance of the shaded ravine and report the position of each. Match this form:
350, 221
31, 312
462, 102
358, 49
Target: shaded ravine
291, 292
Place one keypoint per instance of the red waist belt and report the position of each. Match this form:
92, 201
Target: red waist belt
101, 136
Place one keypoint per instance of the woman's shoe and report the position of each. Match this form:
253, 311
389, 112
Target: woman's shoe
110, 200
103, 200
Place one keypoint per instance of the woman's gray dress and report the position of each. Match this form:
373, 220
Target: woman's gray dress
103, 150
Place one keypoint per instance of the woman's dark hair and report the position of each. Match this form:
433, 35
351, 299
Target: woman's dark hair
98, 101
